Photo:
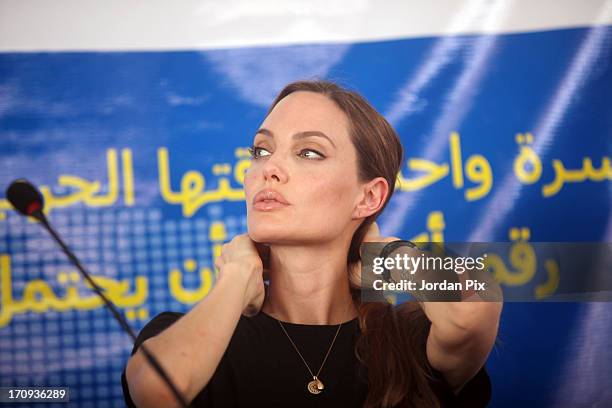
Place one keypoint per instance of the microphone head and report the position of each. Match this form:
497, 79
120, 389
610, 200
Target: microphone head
25, 198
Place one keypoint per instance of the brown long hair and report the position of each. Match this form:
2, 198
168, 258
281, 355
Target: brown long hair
392, 341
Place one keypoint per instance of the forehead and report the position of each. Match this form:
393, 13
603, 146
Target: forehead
305, 111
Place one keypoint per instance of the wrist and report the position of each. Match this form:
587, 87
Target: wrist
234, 274
239, 278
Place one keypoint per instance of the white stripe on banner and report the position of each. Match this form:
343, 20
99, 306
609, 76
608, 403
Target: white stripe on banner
80, 25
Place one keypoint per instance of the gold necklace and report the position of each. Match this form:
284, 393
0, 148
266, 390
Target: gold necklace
315, 386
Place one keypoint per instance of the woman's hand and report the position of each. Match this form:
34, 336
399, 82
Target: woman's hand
242, 258
372, 235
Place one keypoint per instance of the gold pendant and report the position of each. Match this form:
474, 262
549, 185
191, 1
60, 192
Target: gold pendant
315, 386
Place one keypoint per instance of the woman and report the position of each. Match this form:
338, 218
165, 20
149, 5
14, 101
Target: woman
324, 166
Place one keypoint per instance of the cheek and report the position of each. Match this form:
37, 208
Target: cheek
333, 193
249, 177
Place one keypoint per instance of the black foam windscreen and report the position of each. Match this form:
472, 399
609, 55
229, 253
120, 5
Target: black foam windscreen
24, 197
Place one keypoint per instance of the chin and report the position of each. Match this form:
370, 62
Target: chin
262, 233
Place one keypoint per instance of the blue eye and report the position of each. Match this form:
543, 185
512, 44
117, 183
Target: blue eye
256, 152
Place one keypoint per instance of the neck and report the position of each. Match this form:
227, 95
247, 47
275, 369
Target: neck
309, 285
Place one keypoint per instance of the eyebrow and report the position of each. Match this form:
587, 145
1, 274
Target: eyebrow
299, 135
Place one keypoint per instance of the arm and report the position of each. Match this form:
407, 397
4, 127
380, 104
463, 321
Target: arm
463, 333
461, 337
190, 350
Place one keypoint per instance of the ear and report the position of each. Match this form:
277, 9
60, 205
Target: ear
372, 198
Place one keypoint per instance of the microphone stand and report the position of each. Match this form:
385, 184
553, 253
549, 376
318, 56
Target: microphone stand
39, 215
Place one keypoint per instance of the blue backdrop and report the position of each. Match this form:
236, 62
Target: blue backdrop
141, 157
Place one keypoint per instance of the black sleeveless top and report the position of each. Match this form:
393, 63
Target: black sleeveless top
260, 367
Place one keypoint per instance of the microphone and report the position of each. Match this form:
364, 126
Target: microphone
28, 201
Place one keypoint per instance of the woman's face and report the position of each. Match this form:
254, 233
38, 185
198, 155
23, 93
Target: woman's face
302, 185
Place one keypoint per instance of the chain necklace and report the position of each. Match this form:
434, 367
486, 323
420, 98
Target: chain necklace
315, 386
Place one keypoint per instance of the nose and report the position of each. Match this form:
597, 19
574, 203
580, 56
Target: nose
274, 171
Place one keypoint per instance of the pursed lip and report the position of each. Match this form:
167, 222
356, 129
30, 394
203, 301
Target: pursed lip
269, 195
